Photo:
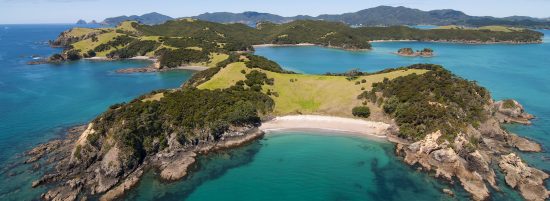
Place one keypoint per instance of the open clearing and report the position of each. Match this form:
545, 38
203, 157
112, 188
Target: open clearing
307, 94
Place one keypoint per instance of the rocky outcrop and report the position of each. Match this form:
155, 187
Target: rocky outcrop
82, 170
432, 155
470, 155
409, 52
529, 181
510, 111
524, 144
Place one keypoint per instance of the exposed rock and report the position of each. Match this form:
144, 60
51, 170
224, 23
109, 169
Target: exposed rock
524, 144
448, 192
83, 169
177, 168
510, 111
119, 191
441, 158
529, 181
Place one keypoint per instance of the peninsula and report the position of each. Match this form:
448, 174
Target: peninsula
438, 121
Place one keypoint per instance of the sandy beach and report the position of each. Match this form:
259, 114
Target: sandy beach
330, 123
284, 45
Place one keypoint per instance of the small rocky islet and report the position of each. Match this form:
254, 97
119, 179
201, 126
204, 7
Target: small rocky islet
409, 52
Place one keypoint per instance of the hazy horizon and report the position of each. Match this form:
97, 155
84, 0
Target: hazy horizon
69, 11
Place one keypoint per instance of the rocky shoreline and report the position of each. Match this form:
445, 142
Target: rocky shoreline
75, 179
104, 179
455, 159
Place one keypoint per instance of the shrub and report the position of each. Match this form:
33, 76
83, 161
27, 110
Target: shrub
361, 111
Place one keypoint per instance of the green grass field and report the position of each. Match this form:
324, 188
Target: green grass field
307, 94
78, 32
215, 58
88, 44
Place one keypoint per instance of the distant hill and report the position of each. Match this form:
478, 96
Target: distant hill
81, 22
149, 19
384, 16
249, 18
377, 16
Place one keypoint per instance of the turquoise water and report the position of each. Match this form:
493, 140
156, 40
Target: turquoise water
37, 102
299, 166
302, 166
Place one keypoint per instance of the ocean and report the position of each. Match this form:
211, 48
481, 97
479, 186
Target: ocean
37, 103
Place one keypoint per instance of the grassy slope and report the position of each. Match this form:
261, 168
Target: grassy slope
310, 94
87, 44
78, 32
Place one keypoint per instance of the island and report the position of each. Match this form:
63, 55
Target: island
439, 122
409, 52
192, 42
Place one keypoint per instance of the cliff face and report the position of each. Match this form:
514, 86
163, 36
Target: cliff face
165, 134
108, 173
471, 163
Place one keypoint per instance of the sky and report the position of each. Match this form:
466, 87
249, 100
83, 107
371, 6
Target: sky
69, 11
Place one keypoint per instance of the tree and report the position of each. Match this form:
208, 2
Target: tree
361, 111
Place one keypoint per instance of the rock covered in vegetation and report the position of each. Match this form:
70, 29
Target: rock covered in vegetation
511, 111
409, 52
166, 134
450, 126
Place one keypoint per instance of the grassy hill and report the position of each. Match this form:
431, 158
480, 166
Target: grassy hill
307, 94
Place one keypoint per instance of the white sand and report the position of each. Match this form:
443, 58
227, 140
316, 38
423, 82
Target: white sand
340, 124
195, 68
284, 45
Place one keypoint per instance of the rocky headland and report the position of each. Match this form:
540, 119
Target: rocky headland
166, 130
471, 163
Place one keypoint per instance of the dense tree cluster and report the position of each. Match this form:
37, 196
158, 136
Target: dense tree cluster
435, 100
141, 128
255, 61
135, 48
361, 111
118, 41
451, 35
174, 58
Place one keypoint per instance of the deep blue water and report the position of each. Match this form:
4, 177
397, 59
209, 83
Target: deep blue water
38, 102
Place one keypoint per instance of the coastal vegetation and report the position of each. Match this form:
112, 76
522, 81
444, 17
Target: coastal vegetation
435, 100
409, 52
213, 42
361, 111
306, 94
141, 128
440, 121
444, 120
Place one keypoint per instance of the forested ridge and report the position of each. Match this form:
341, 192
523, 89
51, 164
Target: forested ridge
172, 41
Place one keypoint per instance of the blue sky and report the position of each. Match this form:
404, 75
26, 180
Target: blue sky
68, 11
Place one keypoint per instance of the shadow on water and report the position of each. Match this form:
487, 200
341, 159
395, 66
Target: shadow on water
397, 181
209, 167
